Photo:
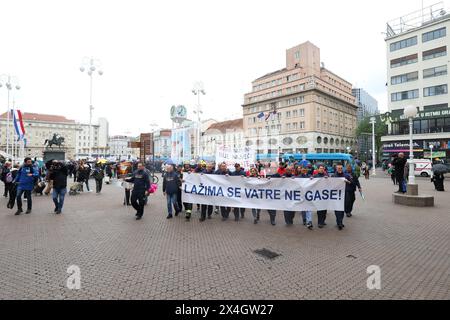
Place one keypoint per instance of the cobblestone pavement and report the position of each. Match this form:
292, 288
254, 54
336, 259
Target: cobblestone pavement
155, 258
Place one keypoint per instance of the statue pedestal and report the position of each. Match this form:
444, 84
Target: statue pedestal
412, 198
56, 154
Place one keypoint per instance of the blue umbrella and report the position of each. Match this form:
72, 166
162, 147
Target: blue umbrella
304, 163
169, 161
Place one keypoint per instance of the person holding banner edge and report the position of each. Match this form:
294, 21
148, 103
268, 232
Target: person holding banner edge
348, 180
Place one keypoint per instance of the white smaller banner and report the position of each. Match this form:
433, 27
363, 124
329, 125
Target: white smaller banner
289, 194
244, 156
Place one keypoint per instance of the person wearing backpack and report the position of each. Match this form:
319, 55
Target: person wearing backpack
98, 175
6, 177
13, 190
25, 179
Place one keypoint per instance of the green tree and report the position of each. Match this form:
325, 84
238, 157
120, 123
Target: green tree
365, 127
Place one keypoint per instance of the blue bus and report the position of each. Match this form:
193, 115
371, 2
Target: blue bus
330, 160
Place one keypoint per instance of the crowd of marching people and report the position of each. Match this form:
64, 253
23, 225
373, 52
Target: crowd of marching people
24, 180
173, 179
138, 183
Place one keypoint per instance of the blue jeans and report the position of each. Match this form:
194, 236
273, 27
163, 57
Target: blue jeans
307, 216
172, 201
19, 198
58, 197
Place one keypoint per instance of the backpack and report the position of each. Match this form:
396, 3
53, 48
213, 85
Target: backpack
9, 177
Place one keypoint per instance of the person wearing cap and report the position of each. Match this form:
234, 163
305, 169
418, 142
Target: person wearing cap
239, 171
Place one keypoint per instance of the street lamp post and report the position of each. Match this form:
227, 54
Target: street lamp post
410, 112
91, 65
10, 83
374, 155
431, 155
198, 90
154, 126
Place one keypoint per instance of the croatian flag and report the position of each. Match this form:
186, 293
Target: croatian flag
18, 123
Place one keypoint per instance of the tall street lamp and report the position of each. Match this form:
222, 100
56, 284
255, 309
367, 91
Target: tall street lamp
431, 155
90, 65
374, 155
10, 83
198, 91
153, 126
410, 112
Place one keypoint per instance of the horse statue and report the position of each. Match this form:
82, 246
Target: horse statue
56, 140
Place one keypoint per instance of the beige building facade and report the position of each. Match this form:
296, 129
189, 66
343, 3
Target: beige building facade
38, 128
311, 109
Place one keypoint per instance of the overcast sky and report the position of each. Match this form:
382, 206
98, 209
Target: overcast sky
152, 52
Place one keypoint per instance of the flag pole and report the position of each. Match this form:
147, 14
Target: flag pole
13, 153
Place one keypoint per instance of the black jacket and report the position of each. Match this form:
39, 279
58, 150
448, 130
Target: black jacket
59, 177
238, 173
171, 182
141, 181
399, 166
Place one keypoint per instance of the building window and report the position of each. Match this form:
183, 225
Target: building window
436, 34
301, 112
404, 95
288, 114
404, 61
302, 124
435, 72
412, 76
297, 55
403, 43
295, 126
295, 113
435, 91
434, 53
288, 126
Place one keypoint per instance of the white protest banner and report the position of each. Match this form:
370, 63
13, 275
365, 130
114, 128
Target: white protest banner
244, 156
290, 194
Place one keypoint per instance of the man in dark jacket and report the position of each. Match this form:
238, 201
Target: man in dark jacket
58, 174
350, 189
171, 185
239, 171
26, 178
399, 169
339, 173
223, 170
141, 181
